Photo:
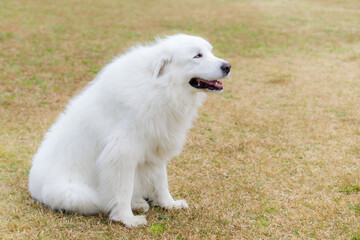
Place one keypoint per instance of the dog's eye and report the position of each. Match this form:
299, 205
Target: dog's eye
199, 55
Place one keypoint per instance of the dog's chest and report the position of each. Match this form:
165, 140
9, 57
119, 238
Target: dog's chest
166, 128
167, 136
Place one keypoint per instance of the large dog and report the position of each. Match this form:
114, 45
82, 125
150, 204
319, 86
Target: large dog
108, 151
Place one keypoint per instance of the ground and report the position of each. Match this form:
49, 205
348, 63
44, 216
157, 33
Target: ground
275, 156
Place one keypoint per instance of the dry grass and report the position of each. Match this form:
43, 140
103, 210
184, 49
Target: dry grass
276, 156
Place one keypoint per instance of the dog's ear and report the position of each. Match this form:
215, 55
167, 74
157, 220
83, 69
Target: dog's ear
159, 66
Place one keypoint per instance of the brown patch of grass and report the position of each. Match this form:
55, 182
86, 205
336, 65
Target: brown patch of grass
275, 156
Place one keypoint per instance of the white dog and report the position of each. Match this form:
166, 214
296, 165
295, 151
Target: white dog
108, 151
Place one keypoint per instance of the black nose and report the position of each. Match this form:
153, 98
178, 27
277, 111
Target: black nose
225, 67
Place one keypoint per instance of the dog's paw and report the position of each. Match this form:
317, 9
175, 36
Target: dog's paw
135, 221
140, 204
176, 204
132, 221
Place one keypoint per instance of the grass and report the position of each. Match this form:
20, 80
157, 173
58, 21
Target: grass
276, 156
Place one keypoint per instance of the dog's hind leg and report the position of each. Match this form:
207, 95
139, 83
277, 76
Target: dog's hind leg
139, 204
71, 196
137, 201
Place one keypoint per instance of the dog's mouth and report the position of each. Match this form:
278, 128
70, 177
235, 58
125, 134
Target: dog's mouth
213, 85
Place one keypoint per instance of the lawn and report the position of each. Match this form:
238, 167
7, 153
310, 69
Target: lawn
275, 156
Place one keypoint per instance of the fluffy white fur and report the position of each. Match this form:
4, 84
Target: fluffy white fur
108, 151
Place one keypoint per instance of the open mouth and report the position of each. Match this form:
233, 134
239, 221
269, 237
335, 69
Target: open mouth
213, 85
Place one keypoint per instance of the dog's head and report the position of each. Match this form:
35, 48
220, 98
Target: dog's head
188, 61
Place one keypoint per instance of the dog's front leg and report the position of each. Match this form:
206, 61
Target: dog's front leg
162, 196
116, 166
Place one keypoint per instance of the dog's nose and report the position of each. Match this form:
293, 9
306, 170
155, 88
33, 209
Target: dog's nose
225, 67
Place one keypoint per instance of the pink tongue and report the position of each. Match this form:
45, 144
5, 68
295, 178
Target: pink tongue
218, 84
215, 83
